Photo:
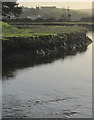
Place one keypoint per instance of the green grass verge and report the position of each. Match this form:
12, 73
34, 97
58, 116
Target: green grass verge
37, 30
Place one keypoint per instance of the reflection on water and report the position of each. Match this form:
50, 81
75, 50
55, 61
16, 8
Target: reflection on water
9, 68
54, 86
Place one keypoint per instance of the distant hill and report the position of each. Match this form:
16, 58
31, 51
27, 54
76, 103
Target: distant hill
88, 11
56, 13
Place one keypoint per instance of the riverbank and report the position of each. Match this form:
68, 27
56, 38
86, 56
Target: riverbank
41, 41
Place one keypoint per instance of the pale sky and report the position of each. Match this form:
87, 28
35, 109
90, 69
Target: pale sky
55, 0
73, 5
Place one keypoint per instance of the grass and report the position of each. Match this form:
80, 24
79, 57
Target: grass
36, 30
73, 22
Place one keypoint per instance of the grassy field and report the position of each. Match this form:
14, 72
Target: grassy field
37, 30
43, 23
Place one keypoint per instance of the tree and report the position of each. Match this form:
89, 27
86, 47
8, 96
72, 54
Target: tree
69, 15
63, 16
11, 8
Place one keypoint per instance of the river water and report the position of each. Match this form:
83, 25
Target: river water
58, 89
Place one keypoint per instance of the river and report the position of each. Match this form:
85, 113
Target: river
58, 89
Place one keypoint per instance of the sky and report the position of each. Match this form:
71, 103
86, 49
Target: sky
55, 0
81, 4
